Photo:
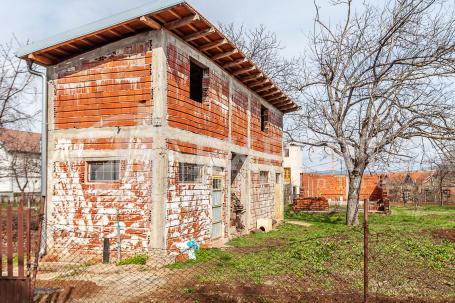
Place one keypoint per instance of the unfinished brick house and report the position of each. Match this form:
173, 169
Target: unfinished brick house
159, 129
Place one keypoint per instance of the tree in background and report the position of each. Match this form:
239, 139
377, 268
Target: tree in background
379, 79
15, 88
263, 47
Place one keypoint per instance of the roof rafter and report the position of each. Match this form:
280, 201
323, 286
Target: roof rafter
235, 62
259, 83
182, 22
252, 77
215, 44
244, 70
200, 34
269, 87
150, 22
225, 54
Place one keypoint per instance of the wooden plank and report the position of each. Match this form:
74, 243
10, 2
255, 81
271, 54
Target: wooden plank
9, 240
200, 34
28, 218
150, 22
182, 22
212, 45
279, 97
225, 54
234, 63
252, 77
41, 59
20, 239
259, 83
244, 70
1, 242
274, 94
267, 88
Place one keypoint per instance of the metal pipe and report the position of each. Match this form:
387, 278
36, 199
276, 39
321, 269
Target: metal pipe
44, 127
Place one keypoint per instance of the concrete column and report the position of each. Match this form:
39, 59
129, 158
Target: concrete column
159, 153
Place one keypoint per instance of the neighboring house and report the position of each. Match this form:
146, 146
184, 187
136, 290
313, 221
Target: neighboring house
399, 187
19, 163
410, 187
160, 129
293, 166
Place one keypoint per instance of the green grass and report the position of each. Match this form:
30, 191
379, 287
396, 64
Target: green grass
139, 259
405, 258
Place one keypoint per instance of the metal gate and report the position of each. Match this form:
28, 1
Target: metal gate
15, 255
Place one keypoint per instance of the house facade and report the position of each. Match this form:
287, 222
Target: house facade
293, 166
19, 164
159, 130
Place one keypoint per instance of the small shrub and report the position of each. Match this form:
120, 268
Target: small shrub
140, 259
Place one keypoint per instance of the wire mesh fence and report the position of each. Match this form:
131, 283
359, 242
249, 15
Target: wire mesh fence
323, 266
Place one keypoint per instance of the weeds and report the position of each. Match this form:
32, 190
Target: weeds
139, 259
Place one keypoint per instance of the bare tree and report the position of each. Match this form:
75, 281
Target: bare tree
263, 47
15, 84
444, 175
20, 160
379, 79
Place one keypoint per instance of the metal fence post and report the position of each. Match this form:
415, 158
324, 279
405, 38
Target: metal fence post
365, 251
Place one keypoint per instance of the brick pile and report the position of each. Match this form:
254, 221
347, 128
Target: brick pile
310, 204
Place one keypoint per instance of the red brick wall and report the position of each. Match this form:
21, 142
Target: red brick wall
240, 118
301, 203
271, 140
334, 187
84, 213
189, 206
103, 143
112, 90
328, 186
188, 209
208, 118
370, 188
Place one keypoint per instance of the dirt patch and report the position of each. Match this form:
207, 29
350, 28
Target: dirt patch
64, 291
444, 234
262, 293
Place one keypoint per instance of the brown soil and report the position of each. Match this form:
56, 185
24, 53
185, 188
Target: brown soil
65, 292
445, 234
261, 294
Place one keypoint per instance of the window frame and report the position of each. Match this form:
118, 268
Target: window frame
261, 173
89, 179
203, 70
220, 206
186, 166
264, 118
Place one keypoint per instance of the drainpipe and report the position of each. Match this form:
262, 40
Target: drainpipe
43, 76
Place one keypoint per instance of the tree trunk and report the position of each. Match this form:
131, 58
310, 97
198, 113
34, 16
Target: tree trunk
352, 213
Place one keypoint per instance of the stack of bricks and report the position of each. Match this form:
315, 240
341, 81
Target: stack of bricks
302, 203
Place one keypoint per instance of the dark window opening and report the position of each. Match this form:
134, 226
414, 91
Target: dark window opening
196, 77
264, 118
190, 173
103, 171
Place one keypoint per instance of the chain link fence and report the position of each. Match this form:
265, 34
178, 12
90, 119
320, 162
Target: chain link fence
314, 267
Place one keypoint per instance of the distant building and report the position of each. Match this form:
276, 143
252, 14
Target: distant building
19, 163
293, 166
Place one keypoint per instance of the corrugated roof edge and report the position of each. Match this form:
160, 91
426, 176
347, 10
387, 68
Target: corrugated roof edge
107, 22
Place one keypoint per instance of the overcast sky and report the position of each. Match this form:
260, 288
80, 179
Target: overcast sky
37, 19
291, 20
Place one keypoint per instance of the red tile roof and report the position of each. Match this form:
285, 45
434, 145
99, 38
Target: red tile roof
20, 141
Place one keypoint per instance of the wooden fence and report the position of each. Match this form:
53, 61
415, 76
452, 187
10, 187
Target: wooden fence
15, 255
